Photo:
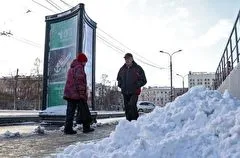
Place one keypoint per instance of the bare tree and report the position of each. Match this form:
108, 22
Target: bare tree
36, 72
25, 91
103, 89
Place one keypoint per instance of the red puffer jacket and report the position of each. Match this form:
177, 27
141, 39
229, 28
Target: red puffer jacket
76, 84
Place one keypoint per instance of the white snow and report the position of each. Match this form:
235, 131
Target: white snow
27, 129
61, 110
55, 110
9, 134
201, 123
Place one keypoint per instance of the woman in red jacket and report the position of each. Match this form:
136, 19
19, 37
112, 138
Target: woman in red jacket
75, 92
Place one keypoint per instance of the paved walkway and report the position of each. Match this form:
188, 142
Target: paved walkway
48, 144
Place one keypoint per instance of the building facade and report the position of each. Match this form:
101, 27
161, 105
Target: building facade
158, 95
201, 78
179, 91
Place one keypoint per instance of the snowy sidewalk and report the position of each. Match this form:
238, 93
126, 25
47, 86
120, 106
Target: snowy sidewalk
18, 116
47, 145
29, 144
10, 113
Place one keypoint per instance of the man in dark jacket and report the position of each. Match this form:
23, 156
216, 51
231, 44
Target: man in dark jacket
131, 78
75, 92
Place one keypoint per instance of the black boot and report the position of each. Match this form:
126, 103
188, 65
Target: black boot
71, 131
87, 128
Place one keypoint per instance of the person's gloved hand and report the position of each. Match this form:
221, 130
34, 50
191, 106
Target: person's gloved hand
138, 91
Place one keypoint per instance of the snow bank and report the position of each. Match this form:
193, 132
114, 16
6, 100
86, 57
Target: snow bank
200, 123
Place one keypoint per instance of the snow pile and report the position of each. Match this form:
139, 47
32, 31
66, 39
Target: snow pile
200, 123
55, 110
9, 134
39, 130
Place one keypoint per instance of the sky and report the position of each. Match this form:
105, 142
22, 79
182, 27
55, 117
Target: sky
199, 27
200, 123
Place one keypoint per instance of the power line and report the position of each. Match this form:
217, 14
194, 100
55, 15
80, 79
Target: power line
112, 38
29, 41
116, 48
7, 34
122, 52
110, 45
56, 4
149, 63
66, 3
50, 2
44, 6
26, 41
124, 45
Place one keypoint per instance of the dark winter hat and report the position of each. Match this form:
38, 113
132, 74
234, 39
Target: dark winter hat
128, 55
82, 57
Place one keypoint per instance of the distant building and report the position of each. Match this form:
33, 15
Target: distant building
159, 95
201, 78
179, 91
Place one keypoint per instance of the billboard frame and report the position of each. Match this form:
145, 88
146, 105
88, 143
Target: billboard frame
78, 11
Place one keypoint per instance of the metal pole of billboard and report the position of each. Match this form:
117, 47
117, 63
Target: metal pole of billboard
170, 56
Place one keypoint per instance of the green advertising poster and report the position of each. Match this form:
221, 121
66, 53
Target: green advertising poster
62, 50
55, 92
63, 33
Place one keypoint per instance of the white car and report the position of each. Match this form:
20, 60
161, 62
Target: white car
145, 106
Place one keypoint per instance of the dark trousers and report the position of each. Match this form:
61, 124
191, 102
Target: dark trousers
130, 105
83, 114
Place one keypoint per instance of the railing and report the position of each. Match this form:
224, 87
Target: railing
231, 54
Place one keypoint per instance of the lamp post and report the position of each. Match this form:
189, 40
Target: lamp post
15, 91
170, 56
182, 80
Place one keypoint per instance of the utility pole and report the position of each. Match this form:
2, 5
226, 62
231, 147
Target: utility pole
182, 81
15, 91
170, 56
171, 95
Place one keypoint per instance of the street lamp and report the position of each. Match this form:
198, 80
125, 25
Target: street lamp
170, 56
182, 80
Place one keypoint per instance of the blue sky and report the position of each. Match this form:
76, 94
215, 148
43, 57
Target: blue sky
199, 27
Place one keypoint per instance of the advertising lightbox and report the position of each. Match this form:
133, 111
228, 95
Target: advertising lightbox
67, 34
